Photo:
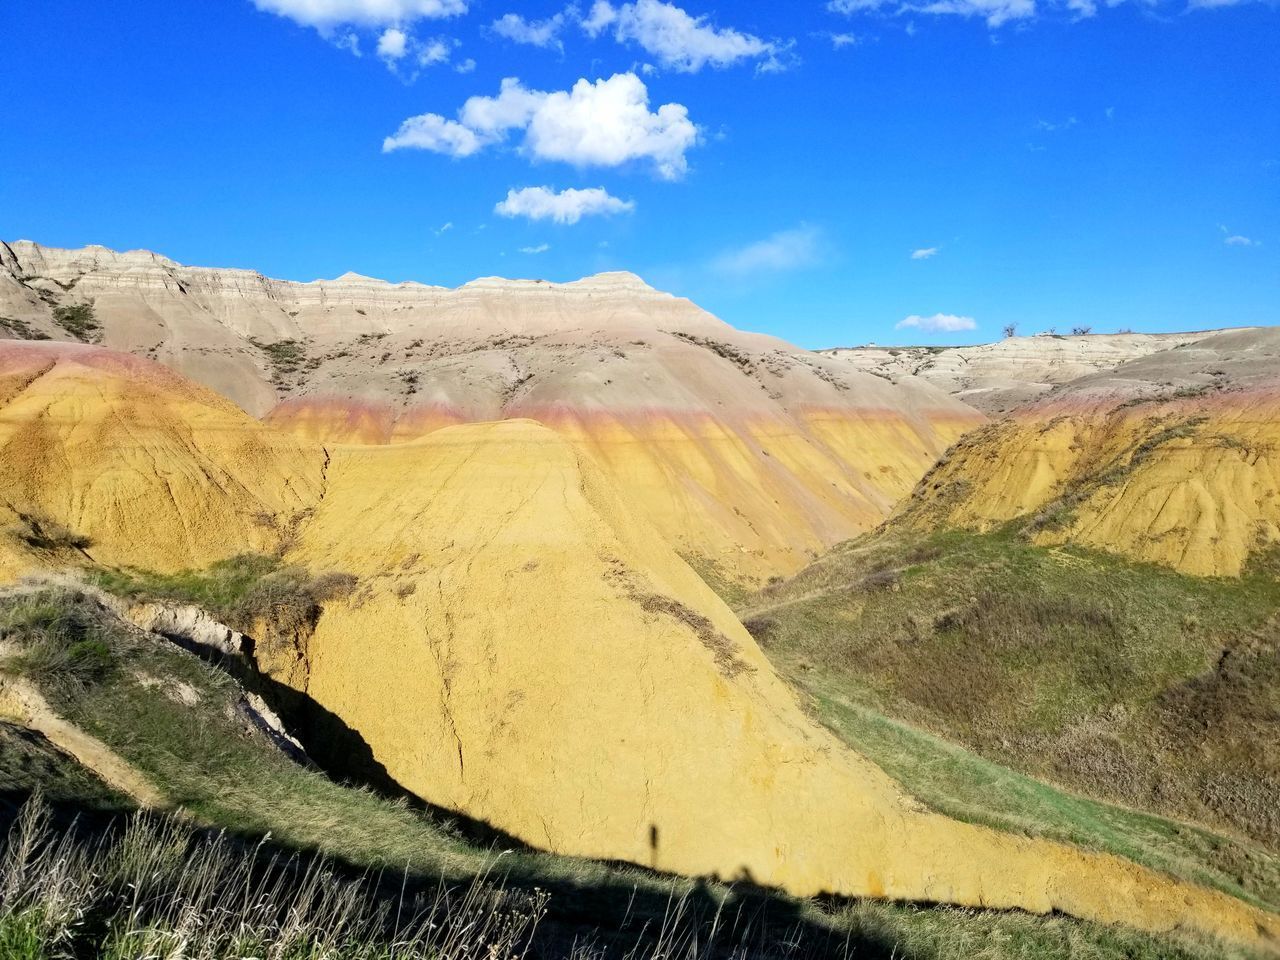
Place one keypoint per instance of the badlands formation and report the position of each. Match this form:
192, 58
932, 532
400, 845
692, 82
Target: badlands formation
997, 377
1172, 458
513, 473
748, 454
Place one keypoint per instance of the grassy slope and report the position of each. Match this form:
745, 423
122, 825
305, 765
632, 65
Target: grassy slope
174, 717
1106, 676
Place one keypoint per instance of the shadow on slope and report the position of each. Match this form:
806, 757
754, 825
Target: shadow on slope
179, 721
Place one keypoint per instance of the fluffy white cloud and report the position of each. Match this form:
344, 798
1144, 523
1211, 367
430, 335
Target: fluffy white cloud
924, 253
1235, 240
540, 248
938, 323
567, 206
841, 40
535, 33
603, 124
326, 14
678, 40
785, 250
393, 44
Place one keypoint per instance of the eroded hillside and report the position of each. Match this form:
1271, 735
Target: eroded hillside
517, 644
749, 455
1171, 458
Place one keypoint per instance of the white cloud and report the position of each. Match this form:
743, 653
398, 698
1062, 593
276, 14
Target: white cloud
327, 14
1235, 240
535, 33
680, 41
938, 323
994, 12
924, 253
840, 40
1049, 127
435, 133
393, 44
567, 206
540, 248
466, 66
785, 250
444, 228
603, 124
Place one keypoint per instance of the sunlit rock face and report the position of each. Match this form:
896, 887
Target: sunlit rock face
1172, 458
999, 377
750, 455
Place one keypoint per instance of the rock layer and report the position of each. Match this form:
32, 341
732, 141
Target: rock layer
746, 452
999, 377
1174, 458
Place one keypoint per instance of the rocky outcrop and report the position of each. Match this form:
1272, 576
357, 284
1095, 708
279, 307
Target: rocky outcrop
998, 377
1174, 458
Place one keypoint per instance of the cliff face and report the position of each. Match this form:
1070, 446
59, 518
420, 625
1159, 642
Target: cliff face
999, 377
1173, 458
522, 647
747, 453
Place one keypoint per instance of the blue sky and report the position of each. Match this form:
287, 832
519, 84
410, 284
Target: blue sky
1048, 163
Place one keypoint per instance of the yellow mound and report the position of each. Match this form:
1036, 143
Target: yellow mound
122, 461
523, 649
1190, 484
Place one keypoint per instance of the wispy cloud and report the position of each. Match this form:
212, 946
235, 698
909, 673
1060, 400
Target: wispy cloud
682, 42
924, 253
534, 33
1235, 239
785, 250
938, 323
540, 248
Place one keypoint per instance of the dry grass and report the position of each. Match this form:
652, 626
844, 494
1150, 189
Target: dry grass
347, 872
1129, 683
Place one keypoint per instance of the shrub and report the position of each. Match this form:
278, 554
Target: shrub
79, 321
42, 533
62, 638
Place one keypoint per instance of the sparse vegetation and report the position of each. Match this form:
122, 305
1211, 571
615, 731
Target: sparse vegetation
261, 889
285, 356
20, 330
79, 321
43, 533
1010, 330
1066, 664
243, 591
1081, 331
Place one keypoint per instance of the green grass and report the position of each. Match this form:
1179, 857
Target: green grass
178, 720
1080, 669
241, 591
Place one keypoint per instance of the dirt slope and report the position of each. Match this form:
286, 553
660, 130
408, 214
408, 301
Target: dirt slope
1172, 458
745, 451
117, 459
